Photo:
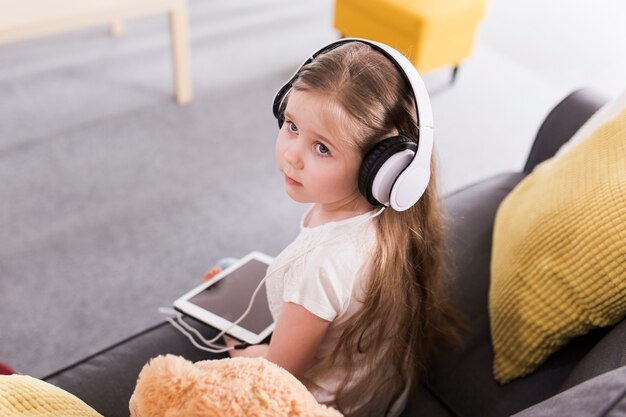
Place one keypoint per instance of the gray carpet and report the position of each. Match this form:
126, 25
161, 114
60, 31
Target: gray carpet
110, 221
114, 200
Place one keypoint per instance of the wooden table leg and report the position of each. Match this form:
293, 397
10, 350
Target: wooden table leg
179, 35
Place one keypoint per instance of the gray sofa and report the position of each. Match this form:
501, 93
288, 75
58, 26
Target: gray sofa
586, 378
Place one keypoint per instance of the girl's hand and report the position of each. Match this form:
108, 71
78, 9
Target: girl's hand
211, 273
253, 351
230, 341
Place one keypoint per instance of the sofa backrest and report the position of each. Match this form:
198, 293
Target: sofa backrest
561, 124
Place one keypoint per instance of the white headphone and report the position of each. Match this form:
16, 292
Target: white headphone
397, 170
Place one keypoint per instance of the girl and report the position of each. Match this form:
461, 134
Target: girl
358, 296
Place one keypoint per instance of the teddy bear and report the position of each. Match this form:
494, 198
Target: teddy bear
171, 386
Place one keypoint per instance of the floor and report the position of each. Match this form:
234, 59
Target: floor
524, 61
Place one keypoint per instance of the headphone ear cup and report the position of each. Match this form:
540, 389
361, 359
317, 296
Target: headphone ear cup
374, 161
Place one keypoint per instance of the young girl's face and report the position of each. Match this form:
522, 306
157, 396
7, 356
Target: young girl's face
318, 161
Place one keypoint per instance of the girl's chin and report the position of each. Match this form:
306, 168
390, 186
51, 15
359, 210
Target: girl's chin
297, 197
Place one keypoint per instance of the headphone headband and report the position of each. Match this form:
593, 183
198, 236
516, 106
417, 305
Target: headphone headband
412, 180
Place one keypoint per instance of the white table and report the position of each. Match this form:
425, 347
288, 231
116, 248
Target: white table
21, 19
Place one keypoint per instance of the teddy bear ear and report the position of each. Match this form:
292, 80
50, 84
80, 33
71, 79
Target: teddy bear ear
163, 383
173, 366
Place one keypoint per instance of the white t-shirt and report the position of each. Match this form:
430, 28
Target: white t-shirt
325, 270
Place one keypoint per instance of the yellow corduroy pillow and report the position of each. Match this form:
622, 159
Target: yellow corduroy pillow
558, 266
22, 396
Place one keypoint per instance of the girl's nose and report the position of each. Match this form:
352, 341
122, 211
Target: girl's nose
292, 156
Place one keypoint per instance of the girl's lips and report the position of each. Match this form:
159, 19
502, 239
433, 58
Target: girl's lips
290, 181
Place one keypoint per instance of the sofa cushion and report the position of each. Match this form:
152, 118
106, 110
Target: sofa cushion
469, 215
558, 262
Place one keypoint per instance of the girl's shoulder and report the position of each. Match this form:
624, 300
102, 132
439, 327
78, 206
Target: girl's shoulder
351, 236
308, 223
341, 246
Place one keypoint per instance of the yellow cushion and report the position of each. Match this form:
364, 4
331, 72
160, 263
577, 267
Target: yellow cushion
431, 33
558, 265
22, 395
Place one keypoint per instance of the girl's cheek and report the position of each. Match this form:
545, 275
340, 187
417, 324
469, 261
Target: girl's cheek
278, 147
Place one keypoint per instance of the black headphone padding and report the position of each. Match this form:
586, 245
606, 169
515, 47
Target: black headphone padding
375, 159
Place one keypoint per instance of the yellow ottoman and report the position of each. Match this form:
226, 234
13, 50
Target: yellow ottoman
431, 33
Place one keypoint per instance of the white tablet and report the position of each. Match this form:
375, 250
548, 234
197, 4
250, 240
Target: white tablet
224, 298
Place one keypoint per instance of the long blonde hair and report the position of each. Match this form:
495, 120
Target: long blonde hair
405, 311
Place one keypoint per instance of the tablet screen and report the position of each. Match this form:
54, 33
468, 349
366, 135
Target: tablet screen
229, 297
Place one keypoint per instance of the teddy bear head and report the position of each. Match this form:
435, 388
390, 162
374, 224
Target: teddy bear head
170, 386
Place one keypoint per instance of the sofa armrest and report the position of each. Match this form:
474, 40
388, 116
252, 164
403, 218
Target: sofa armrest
561, 124
602, 396
609, 353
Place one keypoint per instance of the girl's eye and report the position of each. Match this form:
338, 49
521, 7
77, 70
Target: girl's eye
322, 149
292, 127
